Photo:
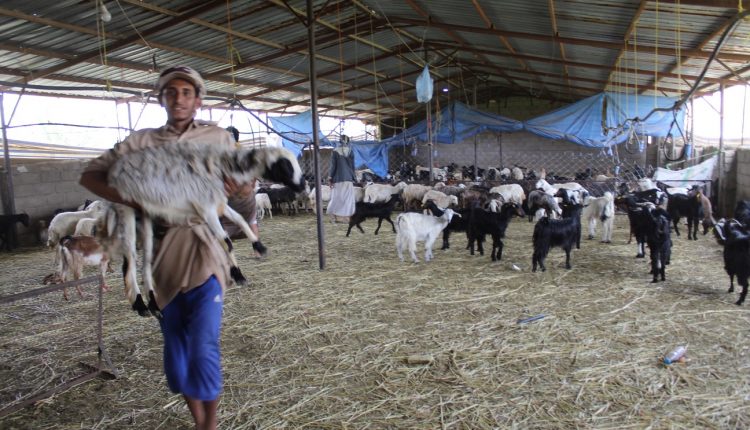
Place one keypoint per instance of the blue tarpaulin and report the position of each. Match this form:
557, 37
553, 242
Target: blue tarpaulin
296, 131
600, 120
596, 122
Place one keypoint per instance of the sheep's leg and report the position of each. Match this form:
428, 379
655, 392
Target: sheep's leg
592, 228
147, 239
446, 244
211, 218
400, 246
676, 221
380, 221
428, 248
655, 266
500, 249
236, 218
641, 249
103, 266
127, 234
567, 257
393, 226
731, 283
742, 280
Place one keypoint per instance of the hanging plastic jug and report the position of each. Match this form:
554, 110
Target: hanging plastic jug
675, 355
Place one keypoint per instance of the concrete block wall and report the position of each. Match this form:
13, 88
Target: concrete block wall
41, 187
743, 174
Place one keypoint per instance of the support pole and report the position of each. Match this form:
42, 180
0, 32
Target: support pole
9, 199
316, 143
720, 183
475, 160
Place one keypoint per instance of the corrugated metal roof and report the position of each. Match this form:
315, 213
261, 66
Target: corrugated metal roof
371, 51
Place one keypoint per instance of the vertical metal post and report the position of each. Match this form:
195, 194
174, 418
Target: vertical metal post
429, 141
316, 143
720, 183
9, 199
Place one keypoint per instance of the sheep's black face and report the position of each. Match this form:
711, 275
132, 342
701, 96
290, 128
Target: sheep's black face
284, 172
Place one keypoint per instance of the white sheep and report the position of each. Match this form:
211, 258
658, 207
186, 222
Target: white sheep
381, 193
182, 181
573, 190
325, 197
441, 199
86, 227
517, 174
438, 174
359, 194
414, 193
600, 208
412, 227
64, 224
263, 204
512, 193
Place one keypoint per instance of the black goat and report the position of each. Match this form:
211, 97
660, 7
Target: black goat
549, 233
691, 207
483, 222
278, 196
659, 242
7, 223
736, 241
381, 211
742, 212
457, 223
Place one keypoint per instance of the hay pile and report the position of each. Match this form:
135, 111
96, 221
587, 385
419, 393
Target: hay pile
374, 343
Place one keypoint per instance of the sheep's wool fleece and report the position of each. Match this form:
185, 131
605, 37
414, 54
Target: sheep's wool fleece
187, 255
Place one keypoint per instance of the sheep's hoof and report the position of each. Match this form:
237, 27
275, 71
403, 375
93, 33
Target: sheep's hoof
237, 276
262, 250
654, 281
140, 307
153, 307
590, 237
568, 266
640, 256
738, 302
731, 290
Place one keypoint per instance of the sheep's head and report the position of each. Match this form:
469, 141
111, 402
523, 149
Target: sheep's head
279, 165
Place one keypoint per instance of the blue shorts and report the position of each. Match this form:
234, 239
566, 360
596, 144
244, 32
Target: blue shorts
191, 327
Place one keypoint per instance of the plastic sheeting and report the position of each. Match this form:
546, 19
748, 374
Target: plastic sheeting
296, 131
689, 176
600, 121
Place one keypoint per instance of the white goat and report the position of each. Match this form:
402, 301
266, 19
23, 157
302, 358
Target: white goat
573, 190
412, 227
600, 208
263, 204
64, 224
381, 193
512, 193
182, 181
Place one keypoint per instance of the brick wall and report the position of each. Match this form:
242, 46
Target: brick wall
40, 187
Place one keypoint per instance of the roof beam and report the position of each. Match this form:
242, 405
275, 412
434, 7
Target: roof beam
553, 21
626, 38
503, 40
565, 40
569, 63
460, 40
128, 40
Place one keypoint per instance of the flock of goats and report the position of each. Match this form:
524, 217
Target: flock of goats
185, 189
560, 210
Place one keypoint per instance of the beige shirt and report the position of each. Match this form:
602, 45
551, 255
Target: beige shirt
188, 254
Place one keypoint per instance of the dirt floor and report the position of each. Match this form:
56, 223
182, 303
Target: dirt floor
371, 342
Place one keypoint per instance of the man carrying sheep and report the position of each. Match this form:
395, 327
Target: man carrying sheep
190, 266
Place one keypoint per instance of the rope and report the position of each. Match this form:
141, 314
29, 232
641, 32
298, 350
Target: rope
656, 53
102, 37
375, 73
231, 50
